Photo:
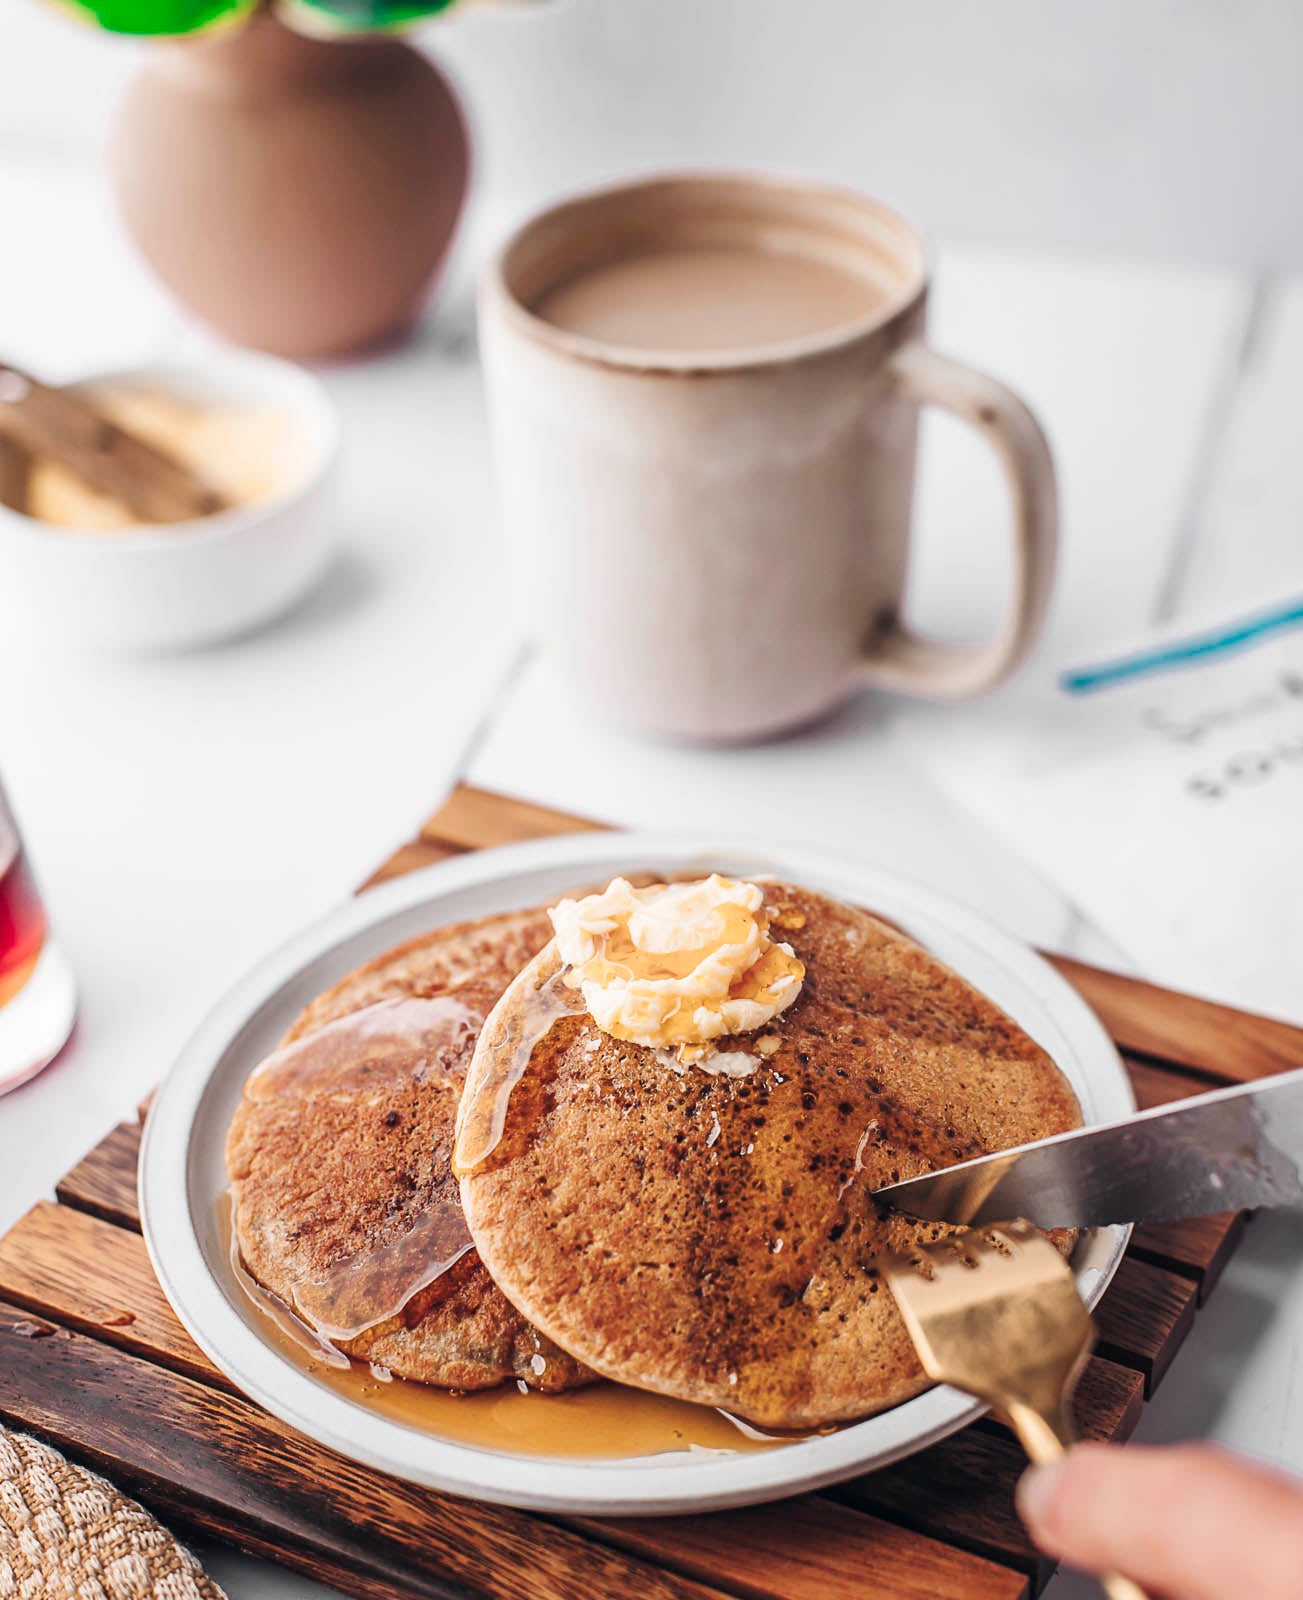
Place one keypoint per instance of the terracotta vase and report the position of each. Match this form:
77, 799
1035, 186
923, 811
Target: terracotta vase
300, 195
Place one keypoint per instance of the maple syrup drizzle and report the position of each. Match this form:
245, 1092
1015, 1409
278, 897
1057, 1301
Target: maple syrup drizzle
293, 1333
482, 1116
356, 1294
605, 1421
391, 1044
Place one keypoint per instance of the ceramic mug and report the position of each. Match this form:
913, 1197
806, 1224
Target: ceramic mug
713, 544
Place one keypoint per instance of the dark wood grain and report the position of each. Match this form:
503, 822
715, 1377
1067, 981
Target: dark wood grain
1144, 1318
814, 1549
104, 1181
963, 1487
76, 1271
219, 1465
1197, 1035
89, 1275
1158, 1085
1196, 1247
223, 1467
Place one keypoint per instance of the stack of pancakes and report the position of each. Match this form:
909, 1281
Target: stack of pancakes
710, 1238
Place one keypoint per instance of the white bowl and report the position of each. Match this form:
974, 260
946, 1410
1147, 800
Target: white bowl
175, 586
183, 1176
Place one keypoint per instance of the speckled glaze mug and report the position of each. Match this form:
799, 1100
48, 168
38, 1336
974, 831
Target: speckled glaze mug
712, 541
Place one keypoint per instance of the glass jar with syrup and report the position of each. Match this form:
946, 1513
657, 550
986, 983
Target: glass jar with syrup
37, 997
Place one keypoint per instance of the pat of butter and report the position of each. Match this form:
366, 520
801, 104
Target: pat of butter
676, 965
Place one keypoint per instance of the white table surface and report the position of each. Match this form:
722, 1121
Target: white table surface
186, 814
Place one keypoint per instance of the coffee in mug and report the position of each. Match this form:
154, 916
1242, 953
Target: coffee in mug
700, 299
704, 393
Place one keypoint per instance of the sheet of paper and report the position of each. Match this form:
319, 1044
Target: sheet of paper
1162, 789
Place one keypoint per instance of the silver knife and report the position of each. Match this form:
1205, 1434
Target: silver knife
1224, 1151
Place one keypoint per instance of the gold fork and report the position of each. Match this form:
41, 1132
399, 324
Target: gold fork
996, 1312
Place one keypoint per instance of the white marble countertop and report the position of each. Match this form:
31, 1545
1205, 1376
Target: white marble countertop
186, 814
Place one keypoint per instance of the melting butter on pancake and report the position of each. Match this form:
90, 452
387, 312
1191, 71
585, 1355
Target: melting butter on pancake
676, 964
709, 1235
345, 1207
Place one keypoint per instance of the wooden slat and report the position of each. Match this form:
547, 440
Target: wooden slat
1158, 1085
814, 1550
219, 1465
104, 1181
87, 1274
1196, 1247
1195, 1034
1144, 1318
962, 1489
409, 857
57, 1263
473, 819
57, 1260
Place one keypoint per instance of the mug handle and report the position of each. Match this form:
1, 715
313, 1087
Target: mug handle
899, 659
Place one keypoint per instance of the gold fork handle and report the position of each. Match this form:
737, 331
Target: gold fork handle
1046, 1439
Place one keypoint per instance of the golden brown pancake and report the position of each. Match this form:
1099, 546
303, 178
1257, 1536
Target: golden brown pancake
712, 1238
344, 1202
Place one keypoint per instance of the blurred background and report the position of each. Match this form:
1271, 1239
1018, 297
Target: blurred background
1172, 128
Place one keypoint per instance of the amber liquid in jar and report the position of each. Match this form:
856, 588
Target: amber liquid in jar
38, 1000
22, 925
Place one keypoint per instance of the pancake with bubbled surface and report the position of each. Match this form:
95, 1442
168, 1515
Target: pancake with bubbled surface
711, 1237
344, 1204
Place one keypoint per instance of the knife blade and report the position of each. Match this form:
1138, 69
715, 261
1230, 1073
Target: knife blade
1227, 1150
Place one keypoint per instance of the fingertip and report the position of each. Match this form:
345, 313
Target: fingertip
1043, 1491
1035, 1493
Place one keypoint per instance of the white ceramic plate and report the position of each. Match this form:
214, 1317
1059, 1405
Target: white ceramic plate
183, 1176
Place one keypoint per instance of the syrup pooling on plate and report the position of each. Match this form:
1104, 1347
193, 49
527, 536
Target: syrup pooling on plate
387, 1045
603, 1421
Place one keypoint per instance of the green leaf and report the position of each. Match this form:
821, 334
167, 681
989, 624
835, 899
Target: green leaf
357, 16
161, 17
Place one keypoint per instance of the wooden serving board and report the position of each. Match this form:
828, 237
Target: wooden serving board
92, 1358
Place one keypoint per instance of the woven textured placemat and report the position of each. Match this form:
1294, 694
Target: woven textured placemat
68, 1534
